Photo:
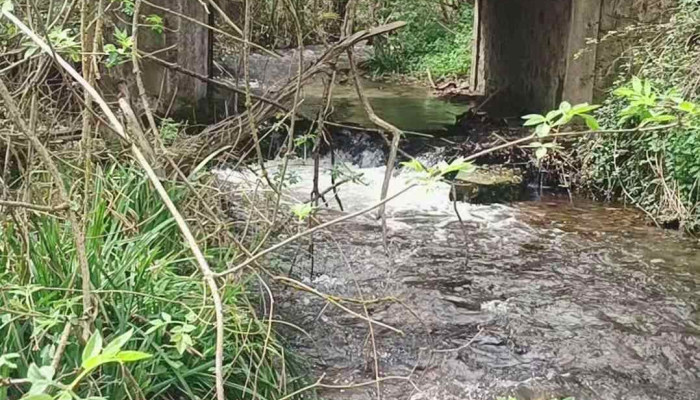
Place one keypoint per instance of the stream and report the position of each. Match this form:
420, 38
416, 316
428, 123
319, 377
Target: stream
546, 298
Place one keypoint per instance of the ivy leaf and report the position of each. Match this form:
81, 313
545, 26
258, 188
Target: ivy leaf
92, 348
40, 377
131, 356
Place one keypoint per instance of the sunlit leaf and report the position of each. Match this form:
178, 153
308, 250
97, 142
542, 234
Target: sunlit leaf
541, 152
7, 6
131, 356
565, 106
591, 122
93, 347
414, 165
117, 343
543, 130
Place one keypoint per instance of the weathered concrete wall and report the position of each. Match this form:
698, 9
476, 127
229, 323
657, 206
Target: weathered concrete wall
613, 38
189, 45
524, 52
532, 54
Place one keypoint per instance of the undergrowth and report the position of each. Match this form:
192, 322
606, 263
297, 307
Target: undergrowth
658, 171
435, 40
144, 280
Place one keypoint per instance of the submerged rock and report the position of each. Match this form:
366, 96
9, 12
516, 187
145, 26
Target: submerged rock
487, 185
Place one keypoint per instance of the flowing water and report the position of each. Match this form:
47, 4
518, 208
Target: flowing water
540, 299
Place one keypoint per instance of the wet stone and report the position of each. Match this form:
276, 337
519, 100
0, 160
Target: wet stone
488, 185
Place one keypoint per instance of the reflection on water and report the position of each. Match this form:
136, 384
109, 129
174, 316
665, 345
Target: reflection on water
407, 107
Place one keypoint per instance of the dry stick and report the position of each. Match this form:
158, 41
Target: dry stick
45, 156
34, 207
62, 343
182, 225
396, 132
225, 17
312, 230
333, 301
248, 97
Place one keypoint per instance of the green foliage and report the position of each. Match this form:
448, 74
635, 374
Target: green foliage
428, 42
431, 175
554, 120
169, 130
149, 299
63, 41
155, 22
121, 52
93, 357
656, 170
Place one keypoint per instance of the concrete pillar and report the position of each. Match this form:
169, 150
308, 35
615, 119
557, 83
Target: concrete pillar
188, 44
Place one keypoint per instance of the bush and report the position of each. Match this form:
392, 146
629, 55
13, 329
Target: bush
428, 42
145, 281
658, 171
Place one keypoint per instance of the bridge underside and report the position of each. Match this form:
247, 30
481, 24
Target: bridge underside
529, 55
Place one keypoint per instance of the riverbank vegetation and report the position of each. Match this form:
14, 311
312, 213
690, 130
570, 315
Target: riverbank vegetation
659, 83
437, 40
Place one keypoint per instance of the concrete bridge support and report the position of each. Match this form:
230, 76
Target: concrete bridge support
529, 55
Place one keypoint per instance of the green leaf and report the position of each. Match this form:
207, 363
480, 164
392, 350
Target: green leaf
64, 396
93, 347
637, 85
117, 343
131, 356
414, 165
302, 211
687, 106
541, 152
543, 130
565, 106
7, 6
591, 122
584, 108
533, 119
39, 396
166, 317
5, 360
553, 114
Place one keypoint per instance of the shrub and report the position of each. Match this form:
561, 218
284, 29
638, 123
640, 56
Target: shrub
145, 281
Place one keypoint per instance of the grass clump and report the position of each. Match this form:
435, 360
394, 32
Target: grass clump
144, 280
435, 39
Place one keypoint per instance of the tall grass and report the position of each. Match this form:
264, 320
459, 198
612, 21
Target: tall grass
143, 279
